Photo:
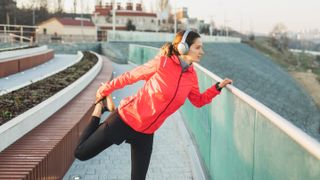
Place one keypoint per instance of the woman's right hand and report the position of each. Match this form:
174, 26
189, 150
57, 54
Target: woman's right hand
98, 93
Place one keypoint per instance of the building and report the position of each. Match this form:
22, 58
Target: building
185, 22
67, 30
128, 18
182, 13
190, 23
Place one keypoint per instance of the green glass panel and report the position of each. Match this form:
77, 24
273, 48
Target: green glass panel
200, 123
232, 138
277, 156
149, 54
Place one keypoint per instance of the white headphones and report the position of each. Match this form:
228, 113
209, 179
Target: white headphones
183, 47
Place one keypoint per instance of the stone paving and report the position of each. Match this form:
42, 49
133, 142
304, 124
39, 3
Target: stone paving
172, 156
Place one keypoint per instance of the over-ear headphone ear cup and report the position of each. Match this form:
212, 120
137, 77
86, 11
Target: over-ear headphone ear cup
183, 48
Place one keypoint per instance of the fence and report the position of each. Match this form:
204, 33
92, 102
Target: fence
11, 33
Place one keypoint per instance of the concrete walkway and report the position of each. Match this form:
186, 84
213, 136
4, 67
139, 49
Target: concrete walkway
173, 152
19, 80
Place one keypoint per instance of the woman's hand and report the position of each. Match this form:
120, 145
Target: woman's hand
98, 93
225, 82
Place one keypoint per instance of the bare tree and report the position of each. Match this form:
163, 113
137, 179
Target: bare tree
278, 37
60, 4
7, 10
44, 3
35, 3
74, 6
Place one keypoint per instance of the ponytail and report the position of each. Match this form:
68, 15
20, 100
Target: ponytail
168, 50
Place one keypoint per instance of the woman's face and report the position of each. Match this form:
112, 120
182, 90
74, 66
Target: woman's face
195, 52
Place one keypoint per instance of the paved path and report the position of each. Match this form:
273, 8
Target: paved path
18, 80
172, 156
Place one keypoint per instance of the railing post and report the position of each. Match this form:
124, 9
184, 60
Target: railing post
21, 34
31, 41
5, 33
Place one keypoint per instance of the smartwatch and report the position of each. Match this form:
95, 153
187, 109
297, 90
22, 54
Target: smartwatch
218, 87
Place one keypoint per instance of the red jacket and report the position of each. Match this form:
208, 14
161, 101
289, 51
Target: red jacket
165, 90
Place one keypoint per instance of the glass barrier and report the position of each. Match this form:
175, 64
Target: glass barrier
239, 138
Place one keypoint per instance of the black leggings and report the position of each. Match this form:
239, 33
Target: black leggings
97, 137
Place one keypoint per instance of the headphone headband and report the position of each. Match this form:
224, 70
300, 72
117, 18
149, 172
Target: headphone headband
185, 35
183, 47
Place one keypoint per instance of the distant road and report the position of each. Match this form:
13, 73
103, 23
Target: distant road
309, 52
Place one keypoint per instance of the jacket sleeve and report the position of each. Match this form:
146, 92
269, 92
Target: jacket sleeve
142, 72
200, 99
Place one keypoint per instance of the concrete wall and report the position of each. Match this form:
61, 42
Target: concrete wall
77, 30
157, 37
21, 52
73, 48
51, 27
54, 26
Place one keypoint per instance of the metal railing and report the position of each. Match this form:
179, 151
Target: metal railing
21, 38
23, 32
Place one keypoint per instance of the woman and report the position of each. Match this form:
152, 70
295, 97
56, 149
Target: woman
170, 80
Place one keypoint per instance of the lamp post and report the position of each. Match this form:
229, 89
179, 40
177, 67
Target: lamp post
81, 20
175, 17
33, 17
113, 16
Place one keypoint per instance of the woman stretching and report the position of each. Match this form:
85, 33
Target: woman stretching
170, 80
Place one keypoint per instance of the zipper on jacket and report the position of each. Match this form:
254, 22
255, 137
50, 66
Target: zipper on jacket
167, 105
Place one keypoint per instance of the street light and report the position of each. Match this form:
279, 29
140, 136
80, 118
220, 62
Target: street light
175, 17
113, 16
81, 20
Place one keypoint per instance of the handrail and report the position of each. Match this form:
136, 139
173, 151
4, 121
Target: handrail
306, 141
22, 37
12, 25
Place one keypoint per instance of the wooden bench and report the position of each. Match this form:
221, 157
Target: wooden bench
46, 152
18, 64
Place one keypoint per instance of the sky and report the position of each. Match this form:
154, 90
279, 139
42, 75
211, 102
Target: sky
242, 15
258, 15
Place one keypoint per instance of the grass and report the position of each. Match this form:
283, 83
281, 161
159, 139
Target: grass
301, 62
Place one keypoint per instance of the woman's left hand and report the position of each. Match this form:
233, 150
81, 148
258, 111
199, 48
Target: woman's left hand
225, 82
